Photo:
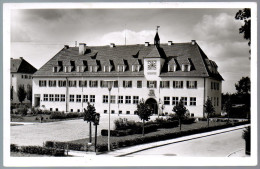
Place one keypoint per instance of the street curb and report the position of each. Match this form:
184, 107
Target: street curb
206, 134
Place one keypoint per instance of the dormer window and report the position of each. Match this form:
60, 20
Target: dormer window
185, 67
107, 68
78, 68
121, 68
83, 68
65, 68
135, 68
91, 68
172, 68
55, 69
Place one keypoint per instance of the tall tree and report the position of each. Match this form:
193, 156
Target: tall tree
29, 93
180, 111
21, 93
12, 93
89, 116
243, 86
228, 107
144, 112
245, 15
209, 109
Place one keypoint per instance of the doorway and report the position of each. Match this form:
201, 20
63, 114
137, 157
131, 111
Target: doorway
152, 105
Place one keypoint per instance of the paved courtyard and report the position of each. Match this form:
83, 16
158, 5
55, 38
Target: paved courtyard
37, 133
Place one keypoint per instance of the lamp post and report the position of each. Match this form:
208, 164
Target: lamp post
162, 107
109, 86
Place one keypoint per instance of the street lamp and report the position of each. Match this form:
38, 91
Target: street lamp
109, 86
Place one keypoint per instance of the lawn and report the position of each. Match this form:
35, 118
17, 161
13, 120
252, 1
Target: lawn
161, 131
36, 118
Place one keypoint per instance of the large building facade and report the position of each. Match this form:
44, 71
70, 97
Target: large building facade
161, 74
21, 74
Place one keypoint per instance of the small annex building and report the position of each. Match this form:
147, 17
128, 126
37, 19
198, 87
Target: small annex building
161, 74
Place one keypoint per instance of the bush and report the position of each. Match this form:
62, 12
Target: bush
42, 150
57, 115
165, 123
65, 145
14, 148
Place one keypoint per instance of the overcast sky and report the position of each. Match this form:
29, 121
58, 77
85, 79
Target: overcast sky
38, 34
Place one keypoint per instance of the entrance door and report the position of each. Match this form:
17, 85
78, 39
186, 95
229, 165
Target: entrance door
152, 105
36, 101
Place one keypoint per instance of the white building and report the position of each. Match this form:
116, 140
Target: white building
21, 74
161, 74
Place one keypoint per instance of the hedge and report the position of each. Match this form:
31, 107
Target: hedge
148, 139
65, 145
38, 150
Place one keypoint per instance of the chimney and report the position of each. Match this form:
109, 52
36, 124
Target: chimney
82, 48
193, 42
66, 46
146, 44
112, 45
169, 43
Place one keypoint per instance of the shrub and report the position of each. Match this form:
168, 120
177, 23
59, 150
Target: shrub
66, 145
57, 115
14, 148
42, 150
102, 147
188, 120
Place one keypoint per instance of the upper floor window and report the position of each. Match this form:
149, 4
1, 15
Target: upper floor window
72, 98
73, 83
177, 84
106, 68
112, 99
93, 83
164, 84
191, 84
175, 100
45, 97
115, 84
151, 84
120, 99
127, 99
52, 83
135, 99
192, 101
92, 99
127, 84
51, 97
42, 83
166, 101
62, 83
55, 69
184, 100
105, 98
83, 83
139, 84
62, 97
85, 98
57, 97
78, 98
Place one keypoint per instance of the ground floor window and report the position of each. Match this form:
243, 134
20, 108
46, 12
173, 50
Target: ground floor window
78, 98
120, 99
57, 109
127, 99
105, 98
127, 112
166, 100
85, 98
62, 97
51, 97
112, 99
175, 100
45, 97
92, 98
135, 99
184, 99
71, 98
192, 101
57, 97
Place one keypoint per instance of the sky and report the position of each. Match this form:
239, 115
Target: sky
38, 34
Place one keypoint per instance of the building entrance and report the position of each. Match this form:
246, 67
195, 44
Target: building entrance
36, 101
152, 104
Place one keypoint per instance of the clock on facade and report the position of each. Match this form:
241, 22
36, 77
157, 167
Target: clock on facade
152, 65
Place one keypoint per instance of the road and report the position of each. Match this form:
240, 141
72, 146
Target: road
37, 133
219, 145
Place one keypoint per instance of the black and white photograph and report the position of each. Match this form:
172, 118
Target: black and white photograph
131, 84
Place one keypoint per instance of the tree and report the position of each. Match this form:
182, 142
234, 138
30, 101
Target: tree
245, 15
29, 93
12, 93
144, 112
180, 111
89, 116
21, 93
243, 85
209, 109
228, 107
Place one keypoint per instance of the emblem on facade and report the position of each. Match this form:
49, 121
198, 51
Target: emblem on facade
151, 93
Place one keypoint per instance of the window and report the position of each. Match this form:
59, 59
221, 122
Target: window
139, 84
164, 84
185, 68
78, 110
120, 112
83, 83
116, 84
25, 76
127, 99
92, 98
57, 109
73, 83
217, 86
71, 110
45, 97
191, 84
135, 112
85, 98
22, 76
93, 83
135, 99
103, 83
105, 98
175, 100
214, 101
120, 99
62, 83
192, 101
127, 112
127, 84
52, 83
42, 83
151, 84
62, 97
112, 111
112, 99
177, 84
166, 100
135, 68
105, 111
50, 109
57, 97
78, 98
51, 97
217, 101
120, 68
71, 98
184, 99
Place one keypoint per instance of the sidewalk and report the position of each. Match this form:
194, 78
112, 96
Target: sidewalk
134, 149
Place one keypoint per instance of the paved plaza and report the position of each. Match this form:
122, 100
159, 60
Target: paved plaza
37, 133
